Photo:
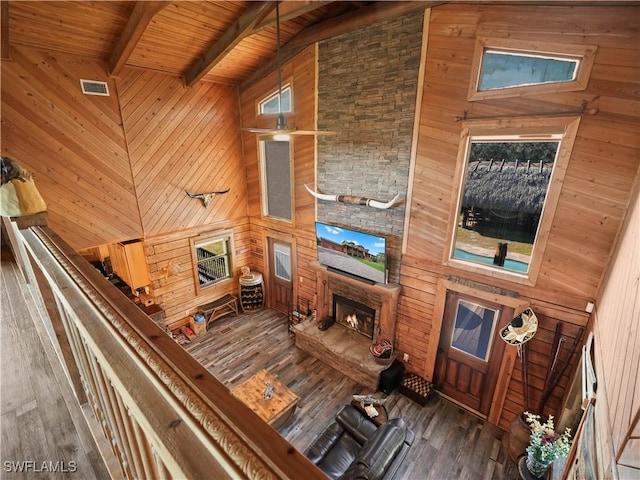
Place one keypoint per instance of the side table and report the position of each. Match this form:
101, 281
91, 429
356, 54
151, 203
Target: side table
382, 416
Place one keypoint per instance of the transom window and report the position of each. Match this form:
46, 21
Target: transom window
506, 67
506, 181
212, 259
271, 104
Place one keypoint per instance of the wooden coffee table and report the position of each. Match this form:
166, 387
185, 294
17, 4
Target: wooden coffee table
277, 410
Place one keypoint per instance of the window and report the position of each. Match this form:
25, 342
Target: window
270, 105
509, 184
212, 259
282, 254
473, 329
276, 179
505, 67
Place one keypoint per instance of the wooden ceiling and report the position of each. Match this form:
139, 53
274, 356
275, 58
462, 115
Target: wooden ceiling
231, 42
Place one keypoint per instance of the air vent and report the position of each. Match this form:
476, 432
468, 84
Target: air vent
92, 87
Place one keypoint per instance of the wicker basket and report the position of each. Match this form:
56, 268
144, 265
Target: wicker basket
384, 360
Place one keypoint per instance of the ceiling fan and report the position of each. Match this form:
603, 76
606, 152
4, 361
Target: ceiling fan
282, 132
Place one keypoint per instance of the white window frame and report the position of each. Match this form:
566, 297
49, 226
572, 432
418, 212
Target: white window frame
274, 95
585, 54
206, 239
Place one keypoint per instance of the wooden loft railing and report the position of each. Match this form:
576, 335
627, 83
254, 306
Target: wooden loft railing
163, 413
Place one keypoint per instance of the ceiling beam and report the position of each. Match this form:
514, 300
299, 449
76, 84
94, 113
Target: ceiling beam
269, 66
289, 11
142, 14
377, 12
242, 28
4, 30
345, 23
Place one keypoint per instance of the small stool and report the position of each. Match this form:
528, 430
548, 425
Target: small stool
416, 388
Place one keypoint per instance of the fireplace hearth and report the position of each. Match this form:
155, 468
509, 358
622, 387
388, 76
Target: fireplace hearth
343, 346
354, 315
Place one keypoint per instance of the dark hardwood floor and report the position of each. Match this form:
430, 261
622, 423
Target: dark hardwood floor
44, 430
450, 443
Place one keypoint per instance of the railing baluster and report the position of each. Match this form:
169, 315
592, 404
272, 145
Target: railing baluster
165, 415
103, 396
163, 473
143, 448
121, 417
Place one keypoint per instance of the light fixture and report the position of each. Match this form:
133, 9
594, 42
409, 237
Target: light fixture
282, 133
281, 123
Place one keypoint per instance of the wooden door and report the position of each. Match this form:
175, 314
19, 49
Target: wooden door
280, 275
470, 350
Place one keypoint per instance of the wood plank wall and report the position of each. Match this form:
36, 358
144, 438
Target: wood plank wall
301, 73
171, 268
182, 139
617, 354
597, 185
116, 168
73, 144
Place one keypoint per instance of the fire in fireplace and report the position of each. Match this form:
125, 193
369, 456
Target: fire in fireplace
354, 315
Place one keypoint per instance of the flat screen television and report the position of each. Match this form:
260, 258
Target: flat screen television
352, 252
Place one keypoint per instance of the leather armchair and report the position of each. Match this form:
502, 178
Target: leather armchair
353, 447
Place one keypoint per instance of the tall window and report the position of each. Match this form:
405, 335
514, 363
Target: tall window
505, 67
212, 260
276, 179
505, 185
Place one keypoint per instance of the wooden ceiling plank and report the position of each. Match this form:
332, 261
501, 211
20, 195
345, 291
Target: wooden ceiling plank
142, 14
242, 28
4, 30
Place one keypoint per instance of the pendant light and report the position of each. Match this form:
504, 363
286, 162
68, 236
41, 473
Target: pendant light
282, 132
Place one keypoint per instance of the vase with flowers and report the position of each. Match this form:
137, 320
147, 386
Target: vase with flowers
545, 445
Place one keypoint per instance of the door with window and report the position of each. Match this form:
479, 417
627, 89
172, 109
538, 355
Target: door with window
470, 350
280, 274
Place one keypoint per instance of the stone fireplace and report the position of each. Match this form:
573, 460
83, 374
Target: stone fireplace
344, 346
354, 315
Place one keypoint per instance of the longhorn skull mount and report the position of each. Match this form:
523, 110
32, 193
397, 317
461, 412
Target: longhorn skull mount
206, 197
353, 200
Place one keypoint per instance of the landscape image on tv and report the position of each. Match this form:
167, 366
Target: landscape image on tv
357, 253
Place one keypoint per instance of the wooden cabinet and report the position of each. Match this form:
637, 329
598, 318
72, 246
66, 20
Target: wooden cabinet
95, 254
129, 262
